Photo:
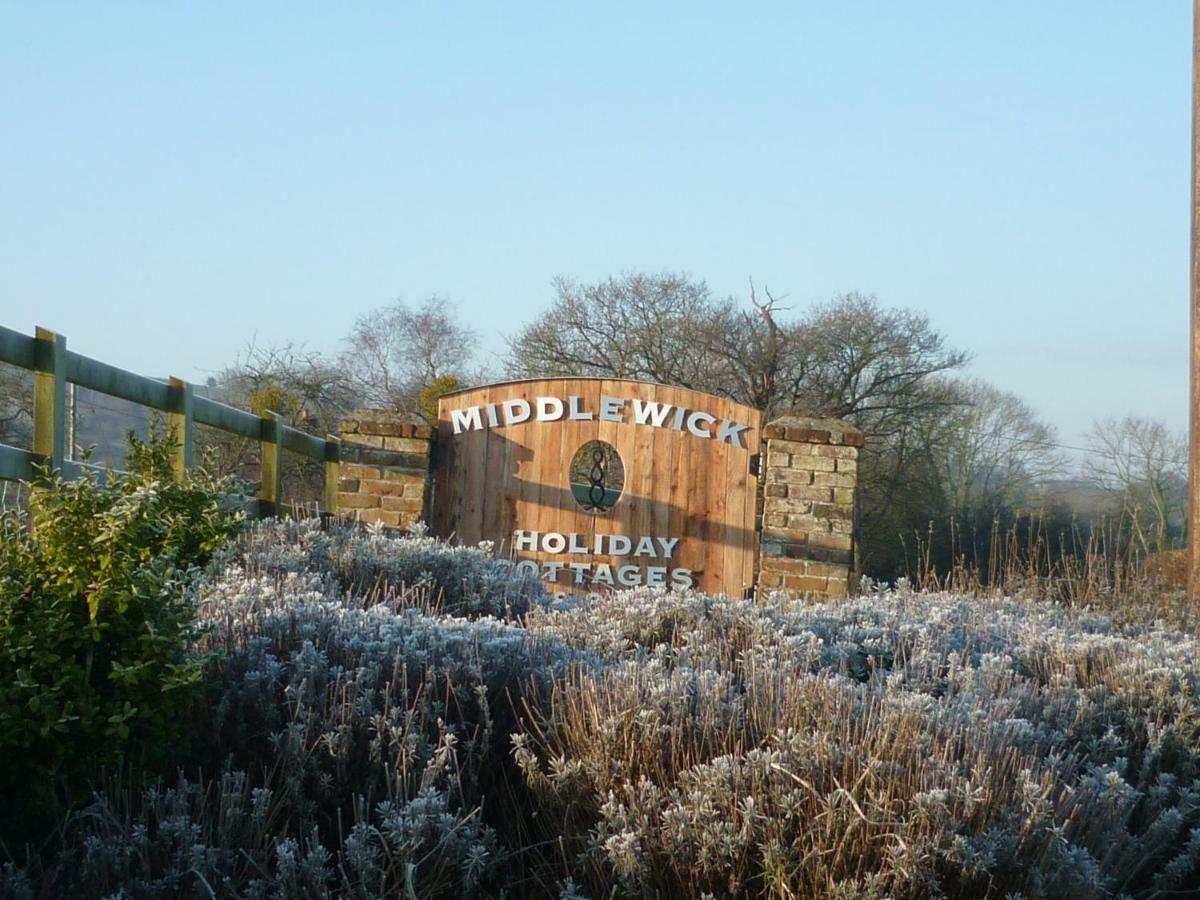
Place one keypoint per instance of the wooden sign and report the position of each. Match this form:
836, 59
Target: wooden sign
600, 484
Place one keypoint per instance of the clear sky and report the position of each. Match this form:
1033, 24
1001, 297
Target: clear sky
175, 180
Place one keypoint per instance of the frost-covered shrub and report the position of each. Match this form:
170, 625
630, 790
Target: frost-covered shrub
290, 652
685, 629
412, 569
353, 749
357, 741
895, 745
225, 837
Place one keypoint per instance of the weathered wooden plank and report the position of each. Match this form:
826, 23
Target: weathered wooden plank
750, 544
514, 439
738, 497
714, 580
701, 530
475, 487
99, 376
17, 349
678, 502
660, 489
50, 398
302, 442
16, 464
447, 477
550, 472
525, 488
207, 411
497, 484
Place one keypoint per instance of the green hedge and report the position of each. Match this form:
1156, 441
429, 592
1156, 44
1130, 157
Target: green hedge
96, 626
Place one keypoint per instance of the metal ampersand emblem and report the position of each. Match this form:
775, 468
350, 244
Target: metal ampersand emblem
597, 489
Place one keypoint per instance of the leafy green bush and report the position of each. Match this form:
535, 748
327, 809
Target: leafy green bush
96, 624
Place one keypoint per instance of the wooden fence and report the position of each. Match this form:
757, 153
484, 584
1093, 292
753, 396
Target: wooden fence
54, 366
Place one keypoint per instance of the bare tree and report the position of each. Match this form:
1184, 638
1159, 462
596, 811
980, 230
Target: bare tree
755, 350
307, 390
993, 451
393, 354
857, 360
646, 327
16, 405
1144, 465
849, 358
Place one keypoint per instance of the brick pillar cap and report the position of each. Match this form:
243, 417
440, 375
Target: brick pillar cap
387, 422
813, 431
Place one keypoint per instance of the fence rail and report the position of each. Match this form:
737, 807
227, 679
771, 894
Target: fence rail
53, 366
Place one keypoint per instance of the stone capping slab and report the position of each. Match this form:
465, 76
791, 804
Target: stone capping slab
813, 431
385, 422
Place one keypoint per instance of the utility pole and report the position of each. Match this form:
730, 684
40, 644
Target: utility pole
1194, 391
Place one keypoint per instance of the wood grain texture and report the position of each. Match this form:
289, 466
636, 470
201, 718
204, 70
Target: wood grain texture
491, 482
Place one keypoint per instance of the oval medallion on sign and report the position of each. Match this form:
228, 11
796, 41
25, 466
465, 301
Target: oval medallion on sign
597, 477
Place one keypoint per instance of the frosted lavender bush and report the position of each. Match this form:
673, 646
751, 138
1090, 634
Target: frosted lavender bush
358, 740
895, 745
349, 746
414, 569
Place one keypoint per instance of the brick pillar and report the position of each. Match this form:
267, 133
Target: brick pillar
385, 468
808, 505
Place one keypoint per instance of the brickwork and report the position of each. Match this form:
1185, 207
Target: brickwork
810, 469
384, 469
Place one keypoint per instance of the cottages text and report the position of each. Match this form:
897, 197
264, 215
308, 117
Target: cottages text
606, 574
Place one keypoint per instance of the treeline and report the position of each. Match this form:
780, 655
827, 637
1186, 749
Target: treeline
950, 461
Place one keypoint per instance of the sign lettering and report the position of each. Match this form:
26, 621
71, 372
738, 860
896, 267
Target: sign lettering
611, 409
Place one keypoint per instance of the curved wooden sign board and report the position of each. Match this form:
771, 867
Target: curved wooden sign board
685, 514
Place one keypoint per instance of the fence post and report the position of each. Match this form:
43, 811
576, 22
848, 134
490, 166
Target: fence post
50, 398
271, 452
333, 473
179, 426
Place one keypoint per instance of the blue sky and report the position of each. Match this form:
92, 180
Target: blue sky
174, 181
